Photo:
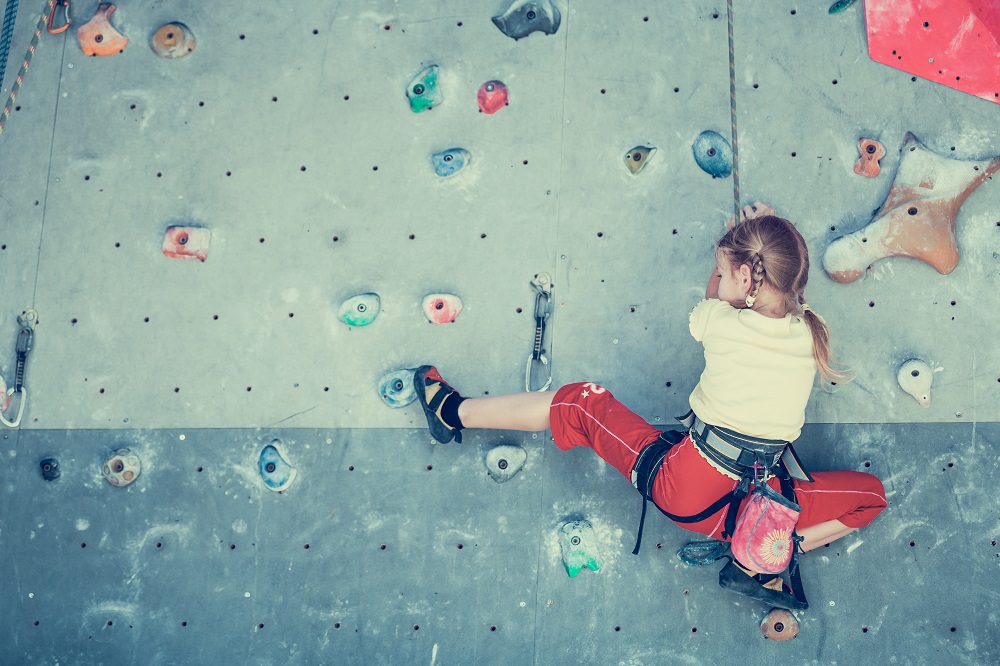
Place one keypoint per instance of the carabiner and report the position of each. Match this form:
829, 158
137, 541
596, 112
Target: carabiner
20, 407
542, 284
25, 336
67, 22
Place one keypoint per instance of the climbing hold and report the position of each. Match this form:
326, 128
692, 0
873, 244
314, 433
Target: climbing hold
524, 17
917, 219
360, 310
871, 152
915, 377
700, 553
839, 6
713, 154
172, 40
492, 96
274, 470
638, 157
503, 462
423, 90
396, 387
50, 469
441, 308
779, 625
187, 242
449, 162
578, 546
121, 468
98, 37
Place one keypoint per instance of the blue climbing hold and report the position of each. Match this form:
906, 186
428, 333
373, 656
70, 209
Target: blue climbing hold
524, 17
274, 469
396, 388
713, 154
423, 90
449, 162
700, 553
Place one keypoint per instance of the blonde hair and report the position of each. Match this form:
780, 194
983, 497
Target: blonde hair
778, 256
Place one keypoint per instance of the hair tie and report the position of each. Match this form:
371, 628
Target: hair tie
806, 308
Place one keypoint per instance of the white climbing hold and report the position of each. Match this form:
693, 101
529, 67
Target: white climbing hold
503, 462
915, 377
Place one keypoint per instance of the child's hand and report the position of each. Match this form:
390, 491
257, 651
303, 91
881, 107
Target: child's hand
757, 209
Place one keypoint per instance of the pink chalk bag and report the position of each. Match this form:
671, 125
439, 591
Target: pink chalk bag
765, 539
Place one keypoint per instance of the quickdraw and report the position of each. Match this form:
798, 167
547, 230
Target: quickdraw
67, 22
25, 337
542, 285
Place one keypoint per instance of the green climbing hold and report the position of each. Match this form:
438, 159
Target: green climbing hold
360, 310
578, 546
423, 90
839, 6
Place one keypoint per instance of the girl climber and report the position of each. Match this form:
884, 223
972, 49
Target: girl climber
763, 346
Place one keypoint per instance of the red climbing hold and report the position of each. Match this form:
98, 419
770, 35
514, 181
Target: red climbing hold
441, 308
954, 43
871, 152
187, 242
492, 97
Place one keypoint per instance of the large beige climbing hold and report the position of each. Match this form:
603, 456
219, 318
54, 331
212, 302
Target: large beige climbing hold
917, 219
915, 377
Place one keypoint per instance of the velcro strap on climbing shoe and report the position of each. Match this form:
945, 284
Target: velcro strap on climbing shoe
731, 450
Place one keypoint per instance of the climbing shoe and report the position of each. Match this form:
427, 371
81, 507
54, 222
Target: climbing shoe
432, 391
737, 579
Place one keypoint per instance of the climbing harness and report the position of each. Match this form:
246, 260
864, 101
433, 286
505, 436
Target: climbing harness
16, 88
732, 111
67, 22
742, 456
542, 285
25, 337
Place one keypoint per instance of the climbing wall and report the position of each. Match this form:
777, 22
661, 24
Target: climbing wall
286, 146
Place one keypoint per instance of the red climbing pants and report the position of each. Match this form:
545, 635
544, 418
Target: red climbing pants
586, 414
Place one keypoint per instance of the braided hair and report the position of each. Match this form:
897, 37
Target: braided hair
778, 256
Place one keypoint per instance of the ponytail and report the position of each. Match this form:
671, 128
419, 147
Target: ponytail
821, 348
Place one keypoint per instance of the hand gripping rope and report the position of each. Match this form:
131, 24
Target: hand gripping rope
542, 284
24, 339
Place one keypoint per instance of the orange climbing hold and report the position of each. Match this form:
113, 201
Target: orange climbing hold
871, 152
917, 219
172, 40
954, 43
187, 243
98, 37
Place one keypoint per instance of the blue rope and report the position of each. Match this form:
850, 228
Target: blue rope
6, 34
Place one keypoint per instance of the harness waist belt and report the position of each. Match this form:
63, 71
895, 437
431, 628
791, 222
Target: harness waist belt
737, 452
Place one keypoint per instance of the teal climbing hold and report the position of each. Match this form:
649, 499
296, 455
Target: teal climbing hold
839, 6
578, 546
274, 469
396, 388
700, 553
360, 310
423, 90
713, 154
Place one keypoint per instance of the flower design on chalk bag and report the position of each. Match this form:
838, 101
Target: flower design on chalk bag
774, 546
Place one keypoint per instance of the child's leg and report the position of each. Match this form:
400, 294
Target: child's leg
518, 411
835, 504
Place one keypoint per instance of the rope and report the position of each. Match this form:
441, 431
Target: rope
732, 111
6, 34
14, 89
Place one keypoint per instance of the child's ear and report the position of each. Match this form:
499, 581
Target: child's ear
745, 273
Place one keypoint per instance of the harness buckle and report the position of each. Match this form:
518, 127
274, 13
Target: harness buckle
67, 22
542, 285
